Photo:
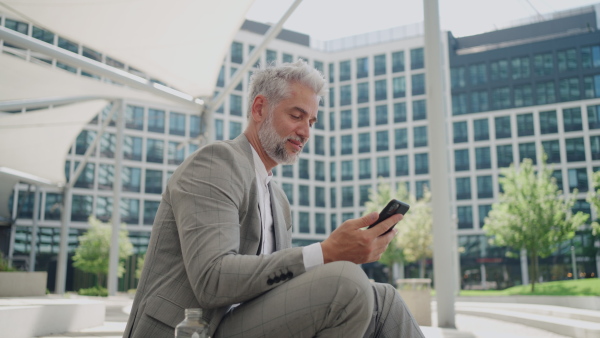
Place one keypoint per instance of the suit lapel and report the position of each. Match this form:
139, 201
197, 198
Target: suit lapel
279, 225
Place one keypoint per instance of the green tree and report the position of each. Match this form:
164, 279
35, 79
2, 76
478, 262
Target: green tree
413, 241
594, 199
92, 254
531, 214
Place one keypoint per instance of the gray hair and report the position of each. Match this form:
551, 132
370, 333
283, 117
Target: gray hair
273, 81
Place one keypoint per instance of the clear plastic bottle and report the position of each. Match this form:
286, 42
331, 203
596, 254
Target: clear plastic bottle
193, 326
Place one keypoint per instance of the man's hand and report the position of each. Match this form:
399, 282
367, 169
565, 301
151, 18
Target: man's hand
349, 243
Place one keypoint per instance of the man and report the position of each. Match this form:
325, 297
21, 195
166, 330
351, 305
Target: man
221, 239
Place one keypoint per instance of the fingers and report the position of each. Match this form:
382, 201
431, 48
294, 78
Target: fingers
384, 226
364, 221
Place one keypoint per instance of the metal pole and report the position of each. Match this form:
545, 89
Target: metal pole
34, 228
113, 262
13, 227
443, 263
61, 264
524, 267
573, 263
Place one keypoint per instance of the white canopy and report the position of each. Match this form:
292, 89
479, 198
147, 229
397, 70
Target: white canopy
180, 42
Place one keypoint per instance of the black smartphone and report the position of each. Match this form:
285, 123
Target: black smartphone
393, 207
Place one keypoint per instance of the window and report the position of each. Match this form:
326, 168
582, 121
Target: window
593, 113
417, 58
345, 119
176, 156
382, 140
463, 188
345, 95
572, 119
499, 70
483, 158
288, 189
364, 142
154, 150
363, 117
195, 126
591, 87
420, 188
156, 120
400, 112
52, 209
364, 168
235, 105
381, 115
459, 104
419, 110
346, 142
400, 138
525, 124
304, 222
320, 124
380, 90
319, 66
303, 171
543, 64
153, 181
362, 90
485, 187
131, 179
483, 212
333, 199
332, 120
460, 132
552, 150
481, 130
567, 60
150, 208
364, 194
221, 78
304, 195
504, 155
108, 145
479, 101
319, 170
287, 57
421, 163
557, 176
331, 98
465, 217
319, 197
420, 136
362, 67
332, 171
271, 56
237, 52
527, 150
595, 147
418, 84
235, 129
501, 98
287, 171
568, 89
575, 149
345, 71
545, 92
590, 57
81, 208
320, 223
402, 165
219, 129
548, 122
477, 74
523, 95
380, 66
502, 127
86, 178
521, 68
331, 73
457, 77
347, 171
83, 141
176, 124
578, 180
383, 166
399, 87
106, 176
461, 160
398, 62
332, 146
319, 145
347, 196
134, 117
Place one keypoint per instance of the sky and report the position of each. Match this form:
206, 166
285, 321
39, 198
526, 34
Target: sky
332, 19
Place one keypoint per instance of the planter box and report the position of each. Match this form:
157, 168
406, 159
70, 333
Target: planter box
23, 284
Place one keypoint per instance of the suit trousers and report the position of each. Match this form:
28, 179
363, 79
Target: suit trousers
333, 300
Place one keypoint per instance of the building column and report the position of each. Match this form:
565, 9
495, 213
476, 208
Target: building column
61, 264
34, 228
524, 267
113, 262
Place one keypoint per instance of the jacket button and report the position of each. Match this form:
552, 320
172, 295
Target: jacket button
277, 279
283, 276
290, 275
270, 281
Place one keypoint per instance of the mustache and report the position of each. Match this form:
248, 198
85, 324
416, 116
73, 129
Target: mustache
300, 139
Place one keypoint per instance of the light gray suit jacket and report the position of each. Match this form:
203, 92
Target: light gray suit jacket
205, 239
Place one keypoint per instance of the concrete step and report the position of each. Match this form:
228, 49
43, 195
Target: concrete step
38, 316
561, 320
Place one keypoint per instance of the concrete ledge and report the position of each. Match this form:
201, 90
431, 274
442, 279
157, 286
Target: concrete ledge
30, 317
577, 302
23, 284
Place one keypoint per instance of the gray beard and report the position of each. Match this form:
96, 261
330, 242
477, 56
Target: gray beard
273, 144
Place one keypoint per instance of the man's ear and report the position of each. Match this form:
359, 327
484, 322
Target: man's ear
259, 108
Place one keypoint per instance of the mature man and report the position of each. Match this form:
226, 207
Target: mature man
221, 239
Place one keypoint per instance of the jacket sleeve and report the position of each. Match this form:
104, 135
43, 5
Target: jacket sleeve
209, 195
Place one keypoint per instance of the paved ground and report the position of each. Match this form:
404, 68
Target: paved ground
117, 309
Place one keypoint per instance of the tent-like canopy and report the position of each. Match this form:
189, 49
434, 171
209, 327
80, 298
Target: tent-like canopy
179, 42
